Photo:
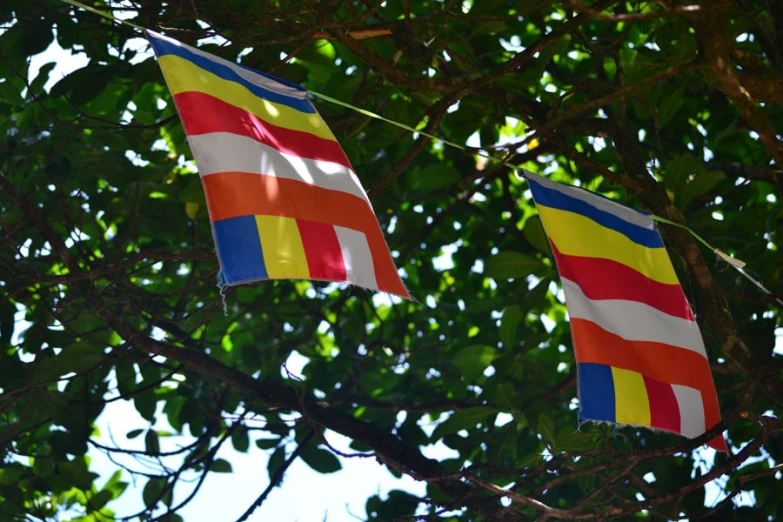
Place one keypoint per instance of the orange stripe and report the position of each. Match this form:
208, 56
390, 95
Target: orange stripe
234, 194
662, 362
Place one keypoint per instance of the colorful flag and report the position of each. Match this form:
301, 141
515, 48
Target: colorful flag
639, 352
283, 199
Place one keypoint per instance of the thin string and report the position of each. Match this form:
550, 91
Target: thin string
324, 97
759, 285
738, 264
222, 285
734, 262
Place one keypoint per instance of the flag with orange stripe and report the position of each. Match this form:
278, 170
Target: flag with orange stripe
639, 352
283, 198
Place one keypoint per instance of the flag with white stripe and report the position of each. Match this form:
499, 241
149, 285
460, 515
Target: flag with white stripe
282, 196
639, 352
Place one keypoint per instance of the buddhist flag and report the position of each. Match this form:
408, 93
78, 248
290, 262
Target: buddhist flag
639, 352
283, 199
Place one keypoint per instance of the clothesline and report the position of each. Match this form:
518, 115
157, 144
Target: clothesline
734, 262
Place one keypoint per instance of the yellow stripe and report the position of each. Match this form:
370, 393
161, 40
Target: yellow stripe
576, 235
281, 243
632, 406
184, 76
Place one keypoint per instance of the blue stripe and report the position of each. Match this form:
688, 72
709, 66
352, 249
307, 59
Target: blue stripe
239, 249
596, 392
163, 47
555, 199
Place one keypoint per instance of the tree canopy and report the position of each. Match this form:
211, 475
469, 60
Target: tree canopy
108, 278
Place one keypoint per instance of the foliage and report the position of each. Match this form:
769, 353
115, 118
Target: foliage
108, 268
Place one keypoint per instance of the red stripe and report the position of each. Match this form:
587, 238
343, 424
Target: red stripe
662, 362
202, 114
234, 194
603, 279
664, 410
322, 249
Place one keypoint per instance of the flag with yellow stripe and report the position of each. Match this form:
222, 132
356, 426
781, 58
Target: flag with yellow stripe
639, 352
282, 196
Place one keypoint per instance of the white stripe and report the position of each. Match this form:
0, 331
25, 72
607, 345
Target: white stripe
632, 320
621, 211
691, 410
252, 77
225, 152
357, 258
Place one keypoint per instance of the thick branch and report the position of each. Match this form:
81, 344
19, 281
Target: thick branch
713, 31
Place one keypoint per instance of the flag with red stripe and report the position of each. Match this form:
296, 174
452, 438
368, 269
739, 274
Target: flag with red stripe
282, 196
639, 352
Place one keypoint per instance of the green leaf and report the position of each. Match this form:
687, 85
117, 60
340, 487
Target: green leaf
546, 428
126, 377
152, 491
586, 482
687, 178
146, 402
115, 485
7, 321
321, 460
433, 177
83, 85
76, 473
36, 41
703, 182
532, 460
267, 443
535, 234
504, 396
462, 420
610, 68
100, 499
536, 296
319, 51
151, 442
11, 476
193, 193
510, 265
221, 466
275, 461
36, 86
569, 439
669, 106
132, 434
509, 323
679, 169
637, 65
240, 439
547, 53
490, 27
10, 94
473, 360
76, 358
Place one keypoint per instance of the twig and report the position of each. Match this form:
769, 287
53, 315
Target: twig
277, 477
633, 16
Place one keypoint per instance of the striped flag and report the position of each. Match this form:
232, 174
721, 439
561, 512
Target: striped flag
639, 352
283, 199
